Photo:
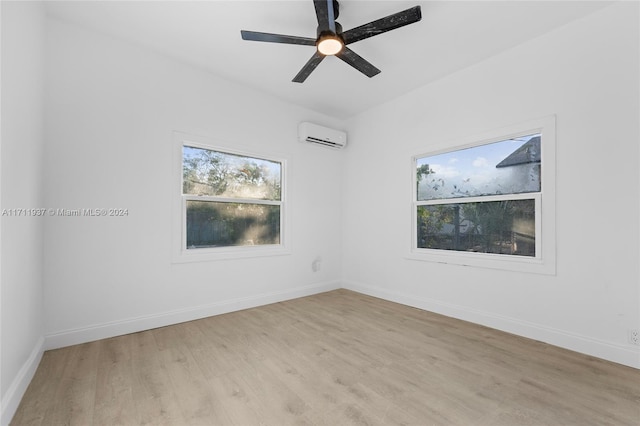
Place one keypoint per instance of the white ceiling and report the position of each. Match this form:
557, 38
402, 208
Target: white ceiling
452, 35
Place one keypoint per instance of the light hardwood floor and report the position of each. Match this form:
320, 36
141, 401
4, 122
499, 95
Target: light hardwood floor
338, 358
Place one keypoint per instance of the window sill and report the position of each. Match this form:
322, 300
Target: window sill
485, 260
228, 253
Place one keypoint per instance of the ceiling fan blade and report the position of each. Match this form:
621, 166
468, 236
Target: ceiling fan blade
383, 25
327, 13
308, 68
277, 38
359, 63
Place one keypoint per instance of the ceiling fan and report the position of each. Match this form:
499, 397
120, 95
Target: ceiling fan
331, 40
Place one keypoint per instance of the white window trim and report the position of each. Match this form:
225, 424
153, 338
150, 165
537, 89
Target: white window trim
180, 254
545, 260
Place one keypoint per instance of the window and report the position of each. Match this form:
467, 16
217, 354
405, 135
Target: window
231, 203
490, 202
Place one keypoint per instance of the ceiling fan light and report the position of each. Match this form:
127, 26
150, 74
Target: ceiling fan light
330, 45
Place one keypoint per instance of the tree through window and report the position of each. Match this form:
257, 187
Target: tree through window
480, 199
230, 199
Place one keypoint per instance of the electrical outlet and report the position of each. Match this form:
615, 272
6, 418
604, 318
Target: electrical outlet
316, 264
634, 337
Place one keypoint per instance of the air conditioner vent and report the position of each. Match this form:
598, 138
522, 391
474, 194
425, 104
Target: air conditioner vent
320, 135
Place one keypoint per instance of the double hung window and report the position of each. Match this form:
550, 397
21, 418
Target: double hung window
482, 204
231, 203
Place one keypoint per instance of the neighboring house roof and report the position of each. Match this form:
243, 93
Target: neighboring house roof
527, 153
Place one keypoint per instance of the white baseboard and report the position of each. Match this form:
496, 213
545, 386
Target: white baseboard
15, 392
147, 322
626, 355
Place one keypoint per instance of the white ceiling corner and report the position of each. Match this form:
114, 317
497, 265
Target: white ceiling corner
452, 35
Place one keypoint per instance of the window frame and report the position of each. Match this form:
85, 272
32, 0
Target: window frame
544, 261
179, 241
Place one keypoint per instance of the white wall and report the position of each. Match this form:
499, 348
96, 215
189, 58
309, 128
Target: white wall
586, 73
21, 149
111, 108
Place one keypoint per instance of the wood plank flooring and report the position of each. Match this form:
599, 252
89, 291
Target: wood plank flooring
337, 358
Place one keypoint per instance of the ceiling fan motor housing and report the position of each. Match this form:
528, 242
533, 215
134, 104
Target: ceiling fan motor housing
323, 31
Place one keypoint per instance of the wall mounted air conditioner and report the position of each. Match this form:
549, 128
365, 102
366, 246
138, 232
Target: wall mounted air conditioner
313, 133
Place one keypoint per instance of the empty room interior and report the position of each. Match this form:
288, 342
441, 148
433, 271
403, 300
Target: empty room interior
209, 219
